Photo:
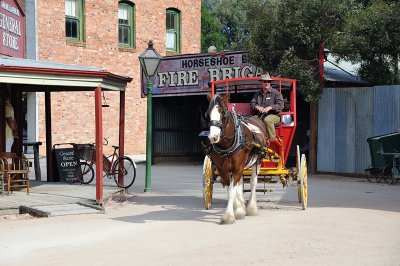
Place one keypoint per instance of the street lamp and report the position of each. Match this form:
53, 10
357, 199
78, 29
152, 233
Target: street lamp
149, 60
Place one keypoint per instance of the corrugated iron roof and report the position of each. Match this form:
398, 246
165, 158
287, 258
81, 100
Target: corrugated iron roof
21, 62
341, 71
60, 76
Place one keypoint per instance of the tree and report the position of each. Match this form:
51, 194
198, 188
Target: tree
371, 36
232, 15
224, 19
211, 31
285, 37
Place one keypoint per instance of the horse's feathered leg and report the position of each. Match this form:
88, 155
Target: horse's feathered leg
238, 204
251, 208
229, 217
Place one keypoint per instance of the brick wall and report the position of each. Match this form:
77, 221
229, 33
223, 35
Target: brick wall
73, 112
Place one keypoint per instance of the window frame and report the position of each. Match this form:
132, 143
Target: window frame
81, 23
176, 30
131, 24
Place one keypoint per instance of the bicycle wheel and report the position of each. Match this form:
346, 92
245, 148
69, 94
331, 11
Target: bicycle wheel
84, 173
125, 168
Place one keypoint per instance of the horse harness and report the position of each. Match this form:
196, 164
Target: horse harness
239, 136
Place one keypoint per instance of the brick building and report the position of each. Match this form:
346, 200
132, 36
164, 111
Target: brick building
110, 35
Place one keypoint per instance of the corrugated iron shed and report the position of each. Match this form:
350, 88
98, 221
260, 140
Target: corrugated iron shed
346, 118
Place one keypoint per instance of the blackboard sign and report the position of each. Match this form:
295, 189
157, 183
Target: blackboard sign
66, 164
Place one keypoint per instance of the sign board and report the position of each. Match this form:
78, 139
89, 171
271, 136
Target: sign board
12, 29
190, 74
66, 164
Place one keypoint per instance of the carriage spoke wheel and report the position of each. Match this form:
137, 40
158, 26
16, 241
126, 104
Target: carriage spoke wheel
207, 182
389, 176
373, 175
298, 172
303, 181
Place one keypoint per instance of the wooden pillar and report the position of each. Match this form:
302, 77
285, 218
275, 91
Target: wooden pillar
313, 137
49, 141
2, 121
19, 119
314, 114
99, 145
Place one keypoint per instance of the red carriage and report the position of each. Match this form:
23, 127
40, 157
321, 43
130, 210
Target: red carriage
275, 155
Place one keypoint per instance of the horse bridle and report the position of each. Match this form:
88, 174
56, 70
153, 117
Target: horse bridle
216, 100
238, 136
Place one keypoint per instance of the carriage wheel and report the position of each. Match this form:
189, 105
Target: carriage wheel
298, 172
303, 181
207, 182
374, 175
389, 176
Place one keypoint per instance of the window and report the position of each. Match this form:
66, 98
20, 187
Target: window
126, 24
173, 30
74, 20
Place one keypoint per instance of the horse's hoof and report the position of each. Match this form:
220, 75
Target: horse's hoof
228, 219
251, 211
240, 214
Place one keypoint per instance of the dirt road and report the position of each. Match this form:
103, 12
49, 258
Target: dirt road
348, 222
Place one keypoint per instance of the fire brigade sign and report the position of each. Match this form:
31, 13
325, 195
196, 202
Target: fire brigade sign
190, 74
12, 29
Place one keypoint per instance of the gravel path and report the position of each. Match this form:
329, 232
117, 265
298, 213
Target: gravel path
348, 222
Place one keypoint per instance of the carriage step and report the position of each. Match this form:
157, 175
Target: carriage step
260, 179
259, 190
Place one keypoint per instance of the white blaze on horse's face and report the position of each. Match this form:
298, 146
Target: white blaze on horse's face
215, 132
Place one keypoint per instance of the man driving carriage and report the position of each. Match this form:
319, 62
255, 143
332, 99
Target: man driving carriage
268, 104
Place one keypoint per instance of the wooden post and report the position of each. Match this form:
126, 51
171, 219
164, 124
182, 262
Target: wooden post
49, 141
2, 121
19, 119
99, 145
313, 137
314, 114
36, 161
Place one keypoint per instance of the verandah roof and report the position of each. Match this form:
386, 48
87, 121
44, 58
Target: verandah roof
41, 76
62, 77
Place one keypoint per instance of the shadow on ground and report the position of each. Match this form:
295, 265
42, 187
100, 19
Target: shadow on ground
174, 208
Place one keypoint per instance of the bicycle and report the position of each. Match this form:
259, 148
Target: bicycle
121, 169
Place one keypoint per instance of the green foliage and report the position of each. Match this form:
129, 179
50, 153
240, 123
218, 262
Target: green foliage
293, 66
371, 36
211, 30
230, 17
231, 14
285, 36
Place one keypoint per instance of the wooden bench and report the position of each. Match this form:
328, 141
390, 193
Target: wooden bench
16, 172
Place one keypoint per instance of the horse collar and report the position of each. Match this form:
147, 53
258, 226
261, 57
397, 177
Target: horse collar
239, 139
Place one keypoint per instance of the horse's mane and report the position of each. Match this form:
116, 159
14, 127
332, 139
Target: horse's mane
216, 99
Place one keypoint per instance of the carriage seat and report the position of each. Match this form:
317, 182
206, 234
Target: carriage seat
244, 109
241, 108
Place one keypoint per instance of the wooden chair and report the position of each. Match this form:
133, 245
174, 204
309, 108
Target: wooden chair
16, 171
